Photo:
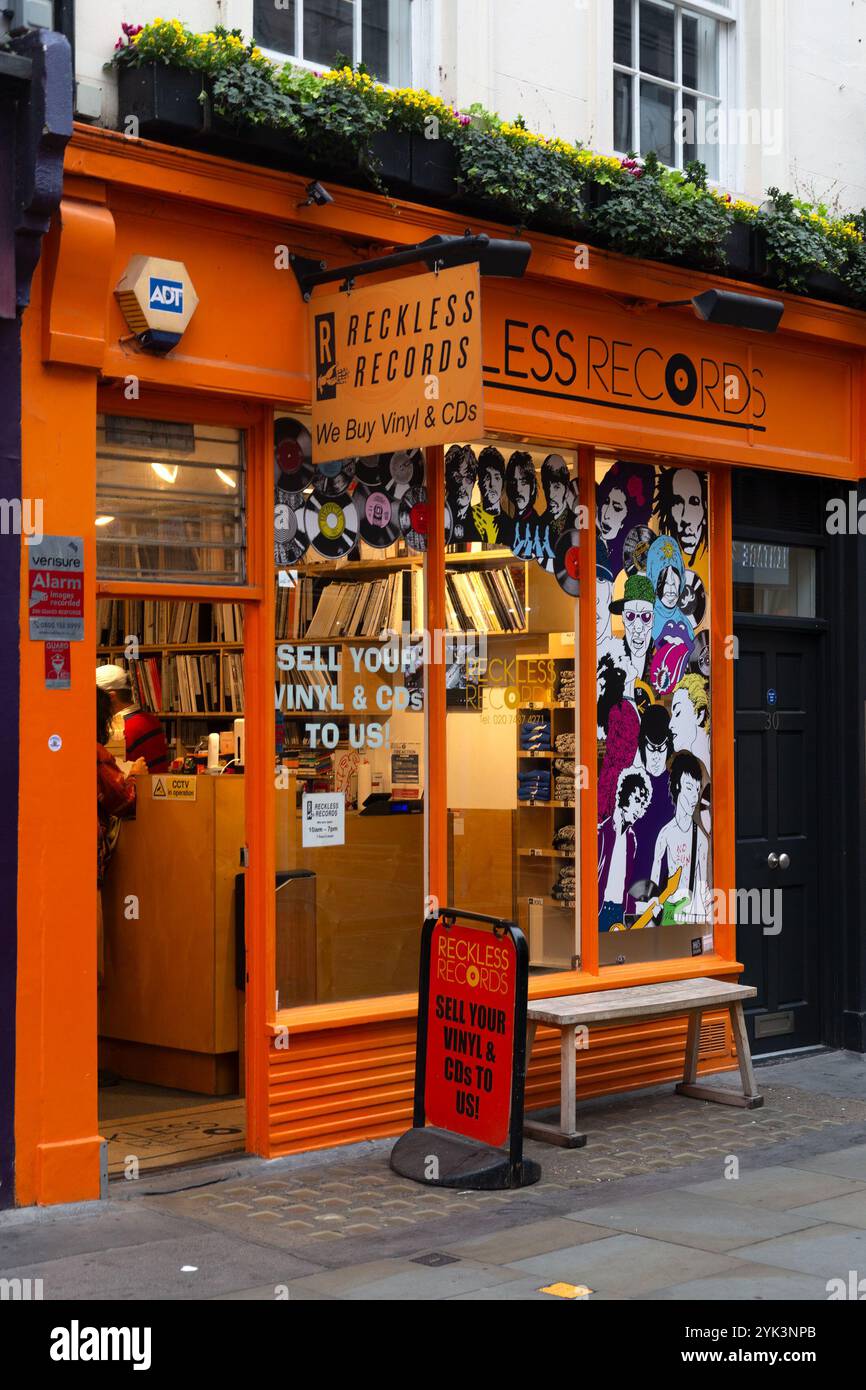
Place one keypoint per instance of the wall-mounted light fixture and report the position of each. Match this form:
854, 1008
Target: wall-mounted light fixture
494, 255
727, 308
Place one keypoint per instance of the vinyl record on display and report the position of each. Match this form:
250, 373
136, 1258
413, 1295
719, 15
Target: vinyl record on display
377, 510
405, 468
293, 456
290, 538
634, 549
332, 479
412, 517
332, 525
566, 564
373, 470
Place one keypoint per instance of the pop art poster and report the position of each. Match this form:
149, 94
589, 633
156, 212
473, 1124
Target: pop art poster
653, 696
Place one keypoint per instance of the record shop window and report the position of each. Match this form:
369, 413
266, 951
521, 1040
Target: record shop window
350, 538
169, 501
512, 534
654, 712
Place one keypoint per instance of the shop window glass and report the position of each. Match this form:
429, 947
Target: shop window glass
653, 712
377, 33
511, 522
774, 580
349, 544
169, 501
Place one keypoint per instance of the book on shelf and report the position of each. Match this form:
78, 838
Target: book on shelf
315, 610
483, 601
162, 622
233, 682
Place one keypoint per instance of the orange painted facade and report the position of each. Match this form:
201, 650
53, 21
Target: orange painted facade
347, 1073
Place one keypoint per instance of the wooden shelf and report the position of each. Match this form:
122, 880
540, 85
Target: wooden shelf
531, 804
545, 753
370, 641
545, 854
195, 714
350, 568
187, 647
547, 901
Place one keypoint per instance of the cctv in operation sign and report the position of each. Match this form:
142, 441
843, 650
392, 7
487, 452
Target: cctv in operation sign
397, 365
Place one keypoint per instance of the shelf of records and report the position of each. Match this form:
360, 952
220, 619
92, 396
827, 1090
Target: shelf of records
195, 685
492, 601
160, 623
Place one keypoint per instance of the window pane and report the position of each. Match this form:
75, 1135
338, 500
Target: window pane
700, 132
328, 31
657, 40
657, 121
701, 53
386, 40
350, 721
777, 580
274, 28
169, 501
622, 126
622, 32
653, 712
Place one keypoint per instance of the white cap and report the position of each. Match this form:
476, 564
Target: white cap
112, 678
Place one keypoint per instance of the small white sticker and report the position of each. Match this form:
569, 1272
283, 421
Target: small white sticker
55, 743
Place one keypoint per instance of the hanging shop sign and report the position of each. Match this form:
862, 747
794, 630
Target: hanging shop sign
470, 1067
397, 364
56, 589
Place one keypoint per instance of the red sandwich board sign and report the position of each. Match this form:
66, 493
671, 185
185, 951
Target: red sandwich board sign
471, 1058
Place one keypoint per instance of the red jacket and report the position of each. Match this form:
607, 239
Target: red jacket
145, 739
115, 796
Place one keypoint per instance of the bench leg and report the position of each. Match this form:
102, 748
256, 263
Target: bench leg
749, 1099
565, 1134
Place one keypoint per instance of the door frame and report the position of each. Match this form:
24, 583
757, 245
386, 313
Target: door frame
837, 790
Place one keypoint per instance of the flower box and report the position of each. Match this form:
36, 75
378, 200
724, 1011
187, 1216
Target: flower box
825, 284
434, 167
390, 158
164, 100
739, 249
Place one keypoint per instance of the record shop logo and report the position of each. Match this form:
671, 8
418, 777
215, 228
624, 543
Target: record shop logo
326, 357
166, 294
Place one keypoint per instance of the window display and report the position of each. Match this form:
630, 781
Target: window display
653, 712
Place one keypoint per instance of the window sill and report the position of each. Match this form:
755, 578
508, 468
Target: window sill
316, 1018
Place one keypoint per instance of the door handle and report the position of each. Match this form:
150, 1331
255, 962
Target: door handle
784, 861
773, 860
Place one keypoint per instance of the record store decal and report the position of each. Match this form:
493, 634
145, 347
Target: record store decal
653, 703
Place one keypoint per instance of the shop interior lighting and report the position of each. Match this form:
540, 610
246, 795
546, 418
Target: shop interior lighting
225, 477
104, 520
494, 256
168, 472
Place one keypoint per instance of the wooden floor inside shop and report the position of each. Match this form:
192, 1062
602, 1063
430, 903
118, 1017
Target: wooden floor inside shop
161, 1128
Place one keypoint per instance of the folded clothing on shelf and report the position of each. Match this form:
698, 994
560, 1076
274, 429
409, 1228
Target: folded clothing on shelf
535, 731
564, 838
565, 765
563, 789
565, 745
564, 692
533, 786
563, 888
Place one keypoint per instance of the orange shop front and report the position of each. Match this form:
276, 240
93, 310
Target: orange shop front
531, 787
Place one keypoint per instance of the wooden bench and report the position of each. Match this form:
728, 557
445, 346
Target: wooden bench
643, 1002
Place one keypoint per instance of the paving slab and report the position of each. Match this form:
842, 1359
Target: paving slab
624, 1264
755, 1283
847, 1210
845, 1163
155, 1271
406, 1280
99, 1227
701, 1222
828, 1250
777, 1188
519, 1242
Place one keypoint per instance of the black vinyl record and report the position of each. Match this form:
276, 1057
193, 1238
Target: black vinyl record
412, 517
567, 562
377, 511
293, 456
290, 539
373, 470
405, 469
332, 525
693, 599
332, 479
634, 549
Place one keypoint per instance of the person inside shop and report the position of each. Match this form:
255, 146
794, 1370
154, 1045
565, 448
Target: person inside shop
115, 801
135, 734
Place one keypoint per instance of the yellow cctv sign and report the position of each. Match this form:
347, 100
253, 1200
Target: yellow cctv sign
164, 786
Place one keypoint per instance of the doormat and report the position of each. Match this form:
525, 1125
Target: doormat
175, 1136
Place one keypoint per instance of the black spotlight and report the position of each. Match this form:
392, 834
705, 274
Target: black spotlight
738, 310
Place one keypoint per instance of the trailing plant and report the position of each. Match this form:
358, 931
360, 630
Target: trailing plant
636, 206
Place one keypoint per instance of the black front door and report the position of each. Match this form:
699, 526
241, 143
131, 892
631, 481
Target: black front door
778, 779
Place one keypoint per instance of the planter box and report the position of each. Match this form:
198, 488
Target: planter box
739, 247
825, 284
434, 167
391, 152
164, 100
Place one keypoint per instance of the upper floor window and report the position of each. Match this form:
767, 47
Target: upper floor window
669, 64
377, 33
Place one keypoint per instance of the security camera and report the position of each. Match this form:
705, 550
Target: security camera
318, 195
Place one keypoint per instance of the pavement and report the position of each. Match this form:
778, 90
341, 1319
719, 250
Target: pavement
671, 1199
